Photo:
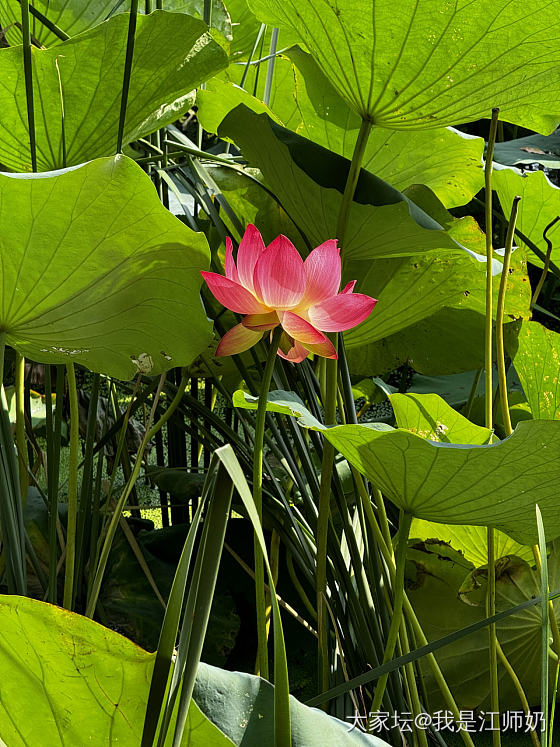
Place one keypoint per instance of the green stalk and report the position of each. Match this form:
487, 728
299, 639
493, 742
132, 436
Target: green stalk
488, 221
491, 589
56, 30
72, 489
127, 71
260, 594
545, 626
28, 73
330, 417
2, 353
500, 317
412, 686
519, 688
86, 491
492, 636
421, 640
405, 521
23, 461
53, 459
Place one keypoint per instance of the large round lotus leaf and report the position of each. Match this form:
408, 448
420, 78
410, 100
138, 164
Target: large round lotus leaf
68, 681
95, 270
305, 101
496, 485
74, 16
173, 53
432, 63
85, 684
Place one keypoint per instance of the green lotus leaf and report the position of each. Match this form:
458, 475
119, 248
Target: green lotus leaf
535, 352
541, 149
83, 683
540, 204
286, 403
241, 705
431, 417
431, 311
91, 67
446, 160
73, 17
496, 485
436, 573
471, 542
86, 684
309, 181
432, 63
96, 270
304, 100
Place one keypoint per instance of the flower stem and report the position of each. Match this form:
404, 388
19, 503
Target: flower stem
330, 418
260, 594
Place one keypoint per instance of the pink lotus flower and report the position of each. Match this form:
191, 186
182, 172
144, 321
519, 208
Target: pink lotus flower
273, 285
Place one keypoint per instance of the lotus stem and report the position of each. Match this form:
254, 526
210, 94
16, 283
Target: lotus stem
23, 461
127, 71
261, 666
68, 595
491, 589
28, 73
500, 317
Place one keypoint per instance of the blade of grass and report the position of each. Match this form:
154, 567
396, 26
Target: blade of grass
204, 584
282, 728
168, 633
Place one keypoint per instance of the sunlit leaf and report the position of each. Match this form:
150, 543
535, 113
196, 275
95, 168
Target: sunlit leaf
173, 54
431, 417
470, 541
83, 683
495, 485
95, 270
540, 204
535, 352
304, 101
434, 63
75, 16
309, 181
